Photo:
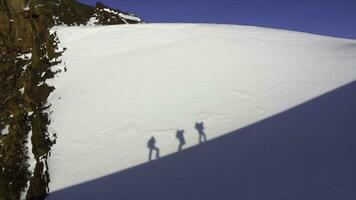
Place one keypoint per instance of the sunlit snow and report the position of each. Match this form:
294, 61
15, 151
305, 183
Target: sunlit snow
127, 83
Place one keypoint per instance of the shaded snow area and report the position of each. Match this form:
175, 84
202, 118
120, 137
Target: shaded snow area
127, 83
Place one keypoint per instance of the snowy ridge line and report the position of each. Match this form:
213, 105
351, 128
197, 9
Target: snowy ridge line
122, 15
252, 27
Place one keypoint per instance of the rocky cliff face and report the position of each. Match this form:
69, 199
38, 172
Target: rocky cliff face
69, 12
28, 53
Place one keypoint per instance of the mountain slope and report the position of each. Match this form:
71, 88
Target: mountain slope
127, 83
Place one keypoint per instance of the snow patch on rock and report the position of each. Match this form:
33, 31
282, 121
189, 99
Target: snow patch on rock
5, 131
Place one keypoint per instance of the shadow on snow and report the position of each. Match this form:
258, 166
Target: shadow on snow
307, 152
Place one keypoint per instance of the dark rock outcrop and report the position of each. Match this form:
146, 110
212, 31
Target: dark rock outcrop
28, 52
71, 13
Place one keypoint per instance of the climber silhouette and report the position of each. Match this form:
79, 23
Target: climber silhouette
180, 137
152, 146
200, 128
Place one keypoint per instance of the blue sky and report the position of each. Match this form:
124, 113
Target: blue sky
326, 17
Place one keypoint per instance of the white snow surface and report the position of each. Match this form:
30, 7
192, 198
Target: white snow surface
126, 83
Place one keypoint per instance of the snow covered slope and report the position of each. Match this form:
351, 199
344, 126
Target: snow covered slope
127, 83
